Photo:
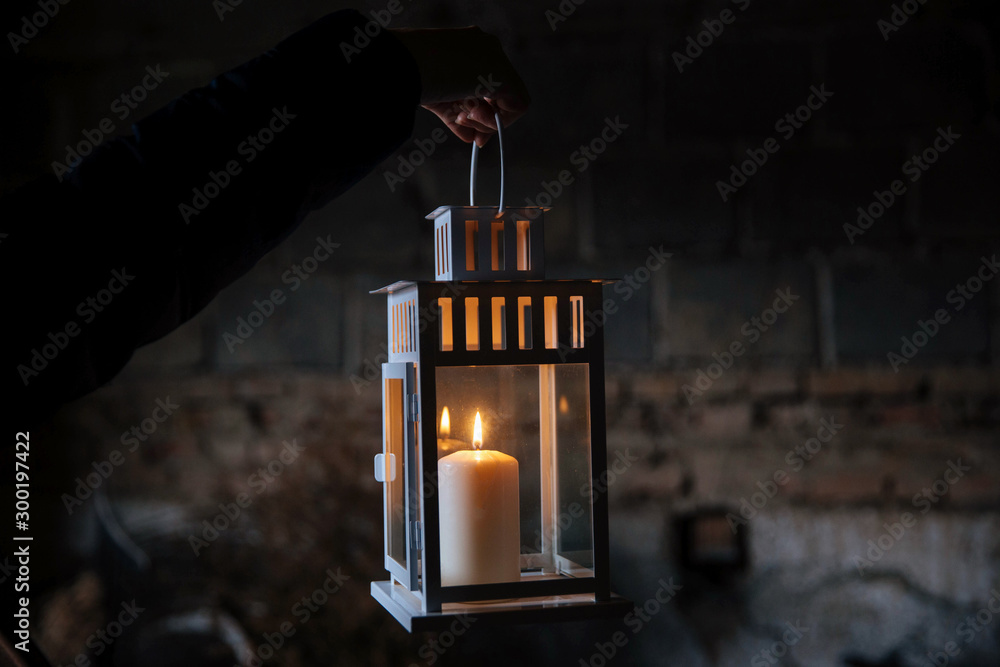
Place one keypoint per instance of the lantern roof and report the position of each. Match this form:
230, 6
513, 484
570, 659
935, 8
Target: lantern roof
400, 285
394, 287
442, 209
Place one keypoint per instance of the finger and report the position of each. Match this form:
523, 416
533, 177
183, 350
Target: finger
511, 98
510, 108
466, 134
485, 121
484, 115
476, 114
507, 107
446, 116
465, 121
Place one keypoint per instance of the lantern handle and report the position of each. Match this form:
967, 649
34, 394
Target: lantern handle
475, 160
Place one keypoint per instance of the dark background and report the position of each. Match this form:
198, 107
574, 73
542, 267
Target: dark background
796, 561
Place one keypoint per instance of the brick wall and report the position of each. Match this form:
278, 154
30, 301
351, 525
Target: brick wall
712, 430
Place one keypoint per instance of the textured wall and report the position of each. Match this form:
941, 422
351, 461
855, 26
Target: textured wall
713, 431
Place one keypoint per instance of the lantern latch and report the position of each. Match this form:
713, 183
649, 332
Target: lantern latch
382, 467
414, 408
416, 535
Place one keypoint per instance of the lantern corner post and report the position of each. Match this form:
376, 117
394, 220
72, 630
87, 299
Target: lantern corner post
427, 486
599, 460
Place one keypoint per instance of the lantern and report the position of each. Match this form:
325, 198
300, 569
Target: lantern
493, 432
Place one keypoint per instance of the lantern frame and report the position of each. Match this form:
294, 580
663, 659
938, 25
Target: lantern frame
414, 593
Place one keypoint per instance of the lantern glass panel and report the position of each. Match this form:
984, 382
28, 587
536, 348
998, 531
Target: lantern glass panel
395, 482
575, 492
540, 416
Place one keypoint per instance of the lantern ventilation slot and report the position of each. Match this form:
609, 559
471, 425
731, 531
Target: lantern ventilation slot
499, 261
446, 338
523, 245
576, 309
524, 322
441, 255
551, 324
472, 323
471, 245
404, 327
499, 323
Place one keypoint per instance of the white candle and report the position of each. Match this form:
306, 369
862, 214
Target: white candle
480, 524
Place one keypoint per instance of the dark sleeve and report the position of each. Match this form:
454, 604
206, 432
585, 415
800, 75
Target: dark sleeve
142, 234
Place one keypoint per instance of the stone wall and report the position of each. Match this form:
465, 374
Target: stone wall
751, 376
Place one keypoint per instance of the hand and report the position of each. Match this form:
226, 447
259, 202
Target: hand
465, 78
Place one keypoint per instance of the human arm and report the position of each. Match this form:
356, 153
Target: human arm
131, 207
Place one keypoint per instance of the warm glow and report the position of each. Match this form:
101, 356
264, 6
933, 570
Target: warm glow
523, 246
477, 432
444, 303
563, 406
499, 323
551, 323
445, 423
472, 323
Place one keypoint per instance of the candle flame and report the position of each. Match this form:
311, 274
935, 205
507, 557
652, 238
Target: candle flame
477, 432
445, 423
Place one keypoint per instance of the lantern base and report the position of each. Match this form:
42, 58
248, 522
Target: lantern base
406, 609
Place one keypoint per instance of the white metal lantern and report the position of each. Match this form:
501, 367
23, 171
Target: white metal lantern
494, 432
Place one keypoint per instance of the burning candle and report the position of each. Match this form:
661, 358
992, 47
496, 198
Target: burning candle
480, 525
447, 444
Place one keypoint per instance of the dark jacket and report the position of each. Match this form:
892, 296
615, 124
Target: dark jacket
135, 225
